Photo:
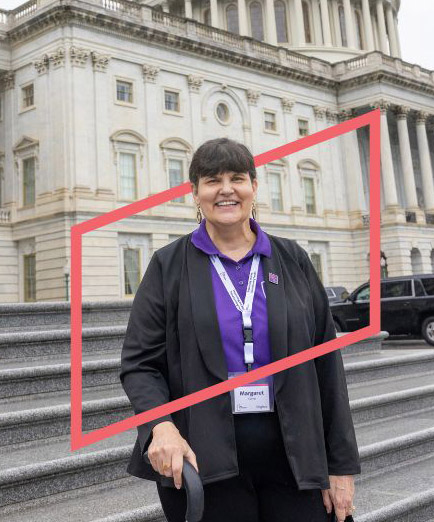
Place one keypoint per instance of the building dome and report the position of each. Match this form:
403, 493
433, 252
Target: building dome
333, 30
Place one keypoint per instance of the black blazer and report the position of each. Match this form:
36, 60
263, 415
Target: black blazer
173, 347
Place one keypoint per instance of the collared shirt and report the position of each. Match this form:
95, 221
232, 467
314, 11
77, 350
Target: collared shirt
229, 318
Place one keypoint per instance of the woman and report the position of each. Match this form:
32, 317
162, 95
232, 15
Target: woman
292, 452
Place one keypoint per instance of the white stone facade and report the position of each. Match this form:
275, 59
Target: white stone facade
103, 103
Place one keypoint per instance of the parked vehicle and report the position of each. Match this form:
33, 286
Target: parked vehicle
407, 307
334, 293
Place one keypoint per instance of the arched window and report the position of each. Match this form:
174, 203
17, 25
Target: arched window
281, 23
343, 26
359, 31
256, 21
207, 17
306, 21
232, 19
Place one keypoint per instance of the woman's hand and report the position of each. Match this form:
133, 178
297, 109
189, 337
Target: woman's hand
340, 495
167, 451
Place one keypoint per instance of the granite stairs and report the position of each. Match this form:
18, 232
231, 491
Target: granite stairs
391, 388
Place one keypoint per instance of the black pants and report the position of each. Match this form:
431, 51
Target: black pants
264, 491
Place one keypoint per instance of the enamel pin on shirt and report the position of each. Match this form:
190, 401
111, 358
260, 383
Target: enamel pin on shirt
273, 278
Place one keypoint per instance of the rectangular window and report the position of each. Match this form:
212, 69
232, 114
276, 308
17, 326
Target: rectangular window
131, 270
171, 101
28, 96
127, 169
428, 284
176, 176
303, 128
124, 91
28, 181
316, 261
270, 121
275, 191
29, 277
309, 195
396, 289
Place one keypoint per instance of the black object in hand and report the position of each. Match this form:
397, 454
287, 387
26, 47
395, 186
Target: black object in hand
192, 483
334, 518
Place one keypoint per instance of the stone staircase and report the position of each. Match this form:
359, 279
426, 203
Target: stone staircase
392, 401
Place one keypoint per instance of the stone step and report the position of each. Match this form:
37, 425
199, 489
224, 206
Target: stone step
37, 376
53, 342
40, 315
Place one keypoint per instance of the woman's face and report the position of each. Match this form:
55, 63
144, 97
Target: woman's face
235, 187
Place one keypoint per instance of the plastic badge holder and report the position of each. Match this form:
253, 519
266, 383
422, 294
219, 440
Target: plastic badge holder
255, 397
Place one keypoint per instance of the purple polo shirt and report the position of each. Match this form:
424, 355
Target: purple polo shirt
229, 318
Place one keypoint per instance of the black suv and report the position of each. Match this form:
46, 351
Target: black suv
407, 307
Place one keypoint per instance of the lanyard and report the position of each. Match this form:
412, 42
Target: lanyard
246, 307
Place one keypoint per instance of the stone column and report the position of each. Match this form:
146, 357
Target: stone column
349, 24
325, 19
327, 168
188, 9
242, 18
382, 27
299, 22
425, 162
406, 160
394, 51
10, 194
194, 87
271, 23
367, 20
387, 170
353, 171
338, 35
395, 22
214, 13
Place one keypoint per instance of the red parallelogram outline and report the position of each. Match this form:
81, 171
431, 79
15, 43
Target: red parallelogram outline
78, 439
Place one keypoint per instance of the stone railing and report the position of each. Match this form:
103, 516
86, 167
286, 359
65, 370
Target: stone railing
377, 60
5, 216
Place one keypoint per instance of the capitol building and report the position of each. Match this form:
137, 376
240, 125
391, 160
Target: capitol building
103, 102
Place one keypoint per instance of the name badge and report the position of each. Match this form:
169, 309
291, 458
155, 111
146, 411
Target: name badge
256, 397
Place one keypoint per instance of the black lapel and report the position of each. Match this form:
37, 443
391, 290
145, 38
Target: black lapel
276, 309
204, 312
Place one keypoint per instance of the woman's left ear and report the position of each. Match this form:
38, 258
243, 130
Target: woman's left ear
255, 186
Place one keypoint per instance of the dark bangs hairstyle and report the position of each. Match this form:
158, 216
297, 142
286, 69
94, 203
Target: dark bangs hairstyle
221, 155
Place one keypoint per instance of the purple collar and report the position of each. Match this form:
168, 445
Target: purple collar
200, 239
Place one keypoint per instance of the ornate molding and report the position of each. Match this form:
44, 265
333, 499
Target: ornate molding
150, 73
402, 112
252, 97
287, 105
345, 114
7, 81
381, 104
331, 116
320, 112
41, 65
194, 82
421, 117
57, 58
79, 56
99, 61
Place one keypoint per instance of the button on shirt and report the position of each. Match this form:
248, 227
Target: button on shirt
229, 318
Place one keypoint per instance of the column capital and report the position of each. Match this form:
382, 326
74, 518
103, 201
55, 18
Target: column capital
345, 114
402, 112
421, 117
381, 104
287, 104
320, 112
7, 81
332, 116
99, 61
79, 56
42, 64
194, 82
252, 96
150, 72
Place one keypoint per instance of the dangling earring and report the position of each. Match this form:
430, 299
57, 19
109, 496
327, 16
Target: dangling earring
254, 210
198, 214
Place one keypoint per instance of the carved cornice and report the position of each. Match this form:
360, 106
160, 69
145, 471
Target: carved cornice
150, 73
194, 82
252, 97
287, 105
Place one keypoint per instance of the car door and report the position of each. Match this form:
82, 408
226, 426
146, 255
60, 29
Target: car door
397, 312
357, 311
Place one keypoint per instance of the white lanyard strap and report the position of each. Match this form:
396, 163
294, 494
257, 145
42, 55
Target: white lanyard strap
246, 307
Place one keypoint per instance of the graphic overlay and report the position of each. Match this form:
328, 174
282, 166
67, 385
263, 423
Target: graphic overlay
78, 438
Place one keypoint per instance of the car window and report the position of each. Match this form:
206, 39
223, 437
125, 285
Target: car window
428, 284
330, 292
363, 294
418, 288
396, 289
